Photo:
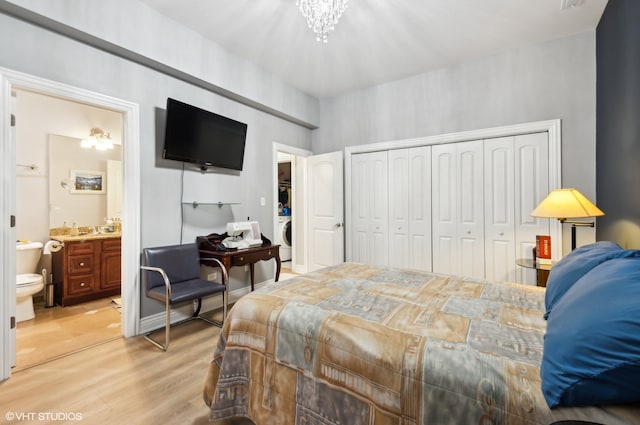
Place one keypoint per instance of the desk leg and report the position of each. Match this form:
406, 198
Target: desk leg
278, 265
252, 274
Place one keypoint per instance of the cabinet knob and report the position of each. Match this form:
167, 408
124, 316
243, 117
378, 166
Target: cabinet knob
268, 252
82, 284
82, 264
501, 233
241, 258
468, 232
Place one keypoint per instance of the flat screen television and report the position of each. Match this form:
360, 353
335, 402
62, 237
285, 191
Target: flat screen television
202, 137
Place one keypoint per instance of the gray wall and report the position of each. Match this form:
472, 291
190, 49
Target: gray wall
33, 50
533, 83
545, 81
618, 122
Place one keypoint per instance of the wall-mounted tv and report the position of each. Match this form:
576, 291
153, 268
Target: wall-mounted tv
202, 137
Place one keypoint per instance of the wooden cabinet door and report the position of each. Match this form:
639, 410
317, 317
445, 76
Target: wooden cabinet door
111, 264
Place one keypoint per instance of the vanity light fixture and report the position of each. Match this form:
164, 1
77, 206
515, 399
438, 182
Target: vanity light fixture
98, 139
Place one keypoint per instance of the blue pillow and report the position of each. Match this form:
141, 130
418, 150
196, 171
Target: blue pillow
592, 344
572, 267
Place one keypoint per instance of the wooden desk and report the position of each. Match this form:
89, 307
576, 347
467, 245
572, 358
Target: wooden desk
243, 257
542, 270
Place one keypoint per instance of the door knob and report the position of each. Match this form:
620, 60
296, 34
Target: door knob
337, 225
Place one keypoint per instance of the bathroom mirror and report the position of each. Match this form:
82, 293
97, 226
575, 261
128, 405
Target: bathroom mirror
85, 184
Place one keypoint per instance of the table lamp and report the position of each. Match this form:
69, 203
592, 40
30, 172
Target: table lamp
563, 203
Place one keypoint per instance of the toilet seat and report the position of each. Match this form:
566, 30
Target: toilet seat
28, 279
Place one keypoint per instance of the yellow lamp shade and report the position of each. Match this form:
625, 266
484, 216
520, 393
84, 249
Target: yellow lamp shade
565, 203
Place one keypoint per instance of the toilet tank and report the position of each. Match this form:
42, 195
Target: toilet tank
27, 257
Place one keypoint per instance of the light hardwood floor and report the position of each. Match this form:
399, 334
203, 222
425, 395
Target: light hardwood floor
120, 381
58, 331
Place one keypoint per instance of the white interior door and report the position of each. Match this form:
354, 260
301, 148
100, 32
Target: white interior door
326, 210
471, 208
458, 216
499, 207
370, 208
399, 252
532, 184
420, 208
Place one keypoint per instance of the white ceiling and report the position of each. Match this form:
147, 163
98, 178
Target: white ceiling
376, 40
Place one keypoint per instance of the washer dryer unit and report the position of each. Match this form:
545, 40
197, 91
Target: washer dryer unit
283, 237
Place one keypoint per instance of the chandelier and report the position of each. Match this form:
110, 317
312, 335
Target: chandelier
322, 15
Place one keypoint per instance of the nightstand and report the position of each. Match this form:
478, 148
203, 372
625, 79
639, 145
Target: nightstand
542, 270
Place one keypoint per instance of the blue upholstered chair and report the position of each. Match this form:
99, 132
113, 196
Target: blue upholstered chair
172, 276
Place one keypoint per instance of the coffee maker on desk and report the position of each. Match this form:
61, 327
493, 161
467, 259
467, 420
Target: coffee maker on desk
242, 234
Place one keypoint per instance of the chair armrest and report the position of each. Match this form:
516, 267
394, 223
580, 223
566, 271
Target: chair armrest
225, 276
167, 283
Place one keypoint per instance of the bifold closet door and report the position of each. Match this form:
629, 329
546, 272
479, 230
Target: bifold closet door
370, 206
516, 174
458, 209
499, 206
410, 208
531, 187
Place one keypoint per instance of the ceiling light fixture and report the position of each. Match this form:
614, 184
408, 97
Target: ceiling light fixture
97, 139
322, 15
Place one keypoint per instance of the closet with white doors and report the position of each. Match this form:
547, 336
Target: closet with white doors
459, 208
391, 208
483, 194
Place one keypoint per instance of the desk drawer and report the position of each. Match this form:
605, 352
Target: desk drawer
242, 259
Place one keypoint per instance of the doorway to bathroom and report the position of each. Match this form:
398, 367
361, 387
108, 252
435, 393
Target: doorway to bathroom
50, 135
10, 81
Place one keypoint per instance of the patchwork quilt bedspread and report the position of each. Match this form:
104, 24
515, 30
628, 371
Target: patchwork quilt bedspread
355, 344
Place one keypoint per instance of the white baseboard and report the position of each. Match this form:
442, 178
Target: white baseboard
156, 321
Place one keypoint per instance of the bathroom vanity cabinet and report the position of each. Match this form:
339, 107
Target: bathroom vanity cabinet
87, 269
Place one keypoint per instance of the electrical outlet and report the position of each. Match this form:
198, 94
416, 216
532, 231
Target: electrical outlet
212, 276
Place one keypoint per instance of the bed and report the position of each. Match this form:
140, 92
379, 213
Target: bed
356, 344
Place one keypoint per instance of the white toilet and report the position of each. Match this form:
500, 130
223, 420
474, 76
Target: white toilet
28, 283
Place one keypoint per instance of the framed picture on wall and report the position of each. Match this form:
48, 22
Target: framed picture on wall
87, 182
